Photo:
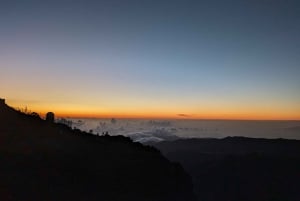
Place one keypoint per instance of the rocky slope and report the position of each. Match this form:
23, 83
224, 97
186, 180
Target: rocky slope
47, 161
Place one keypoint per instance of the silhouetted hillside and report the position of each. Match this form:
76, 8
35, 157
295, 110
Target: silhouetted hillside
46, 161
239, 168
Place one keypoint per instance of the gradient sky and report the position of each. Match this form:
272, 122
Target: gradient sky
166, 58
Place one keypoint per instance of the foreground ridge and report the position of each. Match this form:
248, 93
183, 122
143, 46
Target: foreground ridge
48, 161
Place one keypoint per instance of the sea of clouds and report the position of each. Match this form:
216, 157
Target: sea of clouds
144, 131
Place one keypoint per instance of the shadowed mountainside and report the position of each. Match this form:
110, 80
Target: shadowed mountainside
46, 161
239, 168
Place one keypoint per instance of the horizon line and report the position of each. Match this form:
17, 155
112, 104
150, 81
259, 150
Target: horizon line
174, 116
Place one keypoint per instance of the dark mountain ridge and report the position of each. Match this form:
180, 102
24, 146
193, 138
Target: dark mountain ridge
239, 168
234, 145
40, 160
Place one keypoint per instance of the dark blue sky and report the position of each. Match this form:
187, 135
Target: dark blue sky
240, 58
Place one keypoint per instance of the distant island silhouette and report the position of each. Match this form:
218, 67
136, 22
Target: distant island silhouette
51, 161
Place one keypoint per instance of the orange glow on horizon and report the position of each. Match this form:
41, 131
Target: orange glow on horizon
163, 113
173, 115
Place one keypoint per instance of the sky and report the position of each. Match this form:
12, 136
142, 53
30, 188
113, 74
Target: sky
211, 59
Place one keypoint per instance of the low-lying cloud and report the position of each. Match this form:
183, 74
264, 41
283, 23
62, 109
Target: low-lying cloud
183, 115
153, 136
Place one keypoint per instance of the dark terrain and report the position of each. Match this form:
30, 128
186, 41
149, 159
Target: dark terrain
238, 168
40, 160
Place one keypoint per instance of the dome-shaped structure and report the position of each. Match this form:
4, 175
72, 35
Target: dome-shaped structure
50, 117
2, 101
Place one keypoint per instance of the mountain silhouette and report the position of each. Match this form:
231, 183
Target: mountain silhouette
41, 160
239, 168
